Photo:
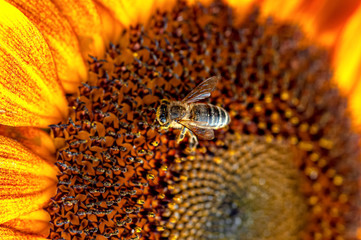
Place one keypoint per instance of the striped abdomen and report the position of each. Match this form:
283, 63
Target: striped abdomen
215, 116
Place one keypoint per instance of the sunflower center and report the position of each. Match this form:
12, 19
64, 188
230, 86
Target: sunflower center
123, 179
225, 223
249, 189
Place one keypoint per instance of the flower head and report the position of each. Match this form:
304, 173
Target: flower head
287, 166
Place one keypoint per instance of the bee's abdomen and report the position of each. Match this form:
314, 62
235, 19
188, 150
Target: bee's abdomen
215, 116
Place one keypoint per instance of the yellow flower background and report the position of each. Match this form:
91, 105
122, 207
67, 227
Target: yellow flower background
44, 48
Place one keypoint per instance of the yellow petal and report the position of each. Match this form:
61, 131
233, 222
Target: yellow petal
82, 14
241, 7
348, 54
280, 9
327, 17
30, 94
33, 223
110, 26
321, 19
125, 13
26, 181
10, 234
347, 62
36, 140
60, 37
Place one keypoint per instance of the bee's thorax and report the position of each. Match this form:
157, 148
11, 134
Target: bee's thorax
177, 111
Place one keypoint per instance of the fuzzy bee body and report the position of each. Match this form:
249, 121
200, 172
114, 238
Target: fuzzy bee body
215, 116
195, 119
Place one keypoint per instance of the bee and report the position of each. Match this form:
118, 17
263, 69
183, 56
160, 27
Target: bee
194, 119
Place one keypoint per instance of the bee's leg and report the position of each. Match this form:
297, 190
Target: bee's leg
193, 141
182, 134
164, 127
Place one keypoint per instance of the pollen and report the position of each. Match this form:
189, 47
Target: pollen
275, 172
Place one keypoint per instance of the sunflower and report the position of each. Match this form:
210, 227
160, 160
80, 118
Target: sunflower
82, 157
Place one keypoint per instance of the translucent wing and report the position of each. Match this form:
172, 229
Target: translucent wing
203, 133
203, 90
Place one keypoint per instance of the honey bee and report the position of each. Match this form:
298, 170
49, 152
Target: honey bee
194, 119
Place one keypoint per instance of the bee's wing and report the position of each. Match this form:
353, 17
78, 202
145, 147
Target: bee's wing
196, 128
203, 90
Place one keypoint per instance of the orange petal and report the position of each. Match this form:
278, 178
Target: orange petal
29, 90
280, 9
33, 223
26, 181
328, 17
36, 140
321, 19
60, 37
125, 13
82, 14
241, 7
110, 26
347, 62
10, 234
347, 56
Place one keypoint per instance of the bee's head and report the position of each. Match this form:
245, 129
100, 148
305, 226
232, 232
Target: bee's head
162, 112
